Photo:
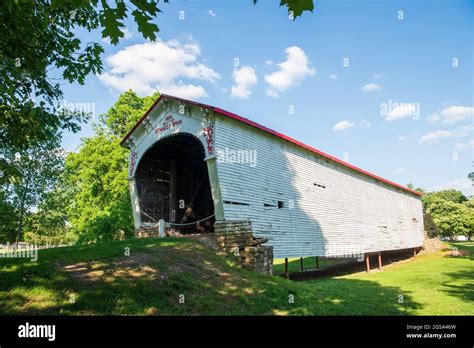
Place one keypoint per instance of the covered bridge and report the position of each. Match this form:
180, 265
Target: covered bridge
193, 164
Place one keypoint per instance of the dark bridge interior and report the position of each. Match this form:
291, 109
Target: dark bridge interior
173, 184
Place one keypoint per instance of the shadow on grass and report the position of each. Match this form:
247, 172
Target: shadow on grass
462, 282
181, 279
464, 285
340, 267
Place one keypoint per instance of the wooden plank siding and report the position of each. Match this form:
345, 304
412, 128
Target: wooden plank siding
347, 212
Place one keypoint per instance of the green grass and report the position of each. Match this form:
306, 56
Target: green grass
101, 280
309, 263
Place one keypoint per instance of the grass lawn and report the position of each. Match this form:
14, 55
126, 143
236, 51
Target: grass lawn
309, 263
102, 280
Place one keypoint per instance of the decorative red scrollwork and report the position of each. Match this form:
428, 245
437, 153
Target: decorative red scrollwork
209, 134
133, 161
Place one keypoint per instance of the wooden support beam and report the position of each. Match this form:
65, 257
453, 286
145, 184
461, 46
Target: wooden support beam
317, 262
414, 252
287, 273
172, 196
380, 260
301, 264
367, 262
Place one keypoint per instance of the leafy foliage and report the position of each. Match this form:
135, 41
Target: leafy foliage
97, 174
7, 220
451, 211
296, 7
39, 169
48, 225
39, 49
447, 195
126, 112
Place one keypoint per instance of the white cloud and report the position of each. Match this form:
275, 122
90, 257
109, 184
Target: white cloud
452, 114
464, 185
333, 76
433, 118
272, 93
244, 79
343, 125
211, 13
292, 71
402, 110
159, 65
370, 87
377, 76
409, 137
365, 123
465, 146
269, 62
127, 34
435, 136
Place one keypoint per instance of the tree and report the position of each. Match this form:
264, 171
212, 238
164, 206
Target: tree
452, 219
39, 169
452, 212
7, 220
101, 208
48, 225
419, 189
126, 112
451, 195
470, 217
431, 230
296, 7
39, 48
97, 174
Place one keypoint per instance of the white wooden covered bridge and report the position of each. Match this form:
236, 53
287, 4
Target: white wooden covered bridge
192, 164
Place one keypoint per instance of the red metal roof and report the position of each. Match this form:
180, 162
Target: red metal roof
268, 130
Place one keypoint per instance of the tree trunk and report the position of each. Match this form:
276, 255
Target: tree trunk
20, 229
21, 218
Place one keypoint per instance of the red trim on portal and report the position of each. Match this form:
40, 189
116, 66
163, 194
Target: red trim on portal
267, 130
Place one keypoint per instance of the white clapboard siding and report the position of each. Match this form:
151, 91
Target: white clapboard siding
353, 213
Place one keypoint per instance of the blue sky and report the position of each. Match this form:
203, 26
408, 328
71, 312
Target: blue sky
336, 68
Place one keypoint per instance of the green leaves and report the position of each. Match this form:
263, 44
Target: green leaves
97, 176
111, 19
452, 212
128, 109
147, 29
297, 7
40, 50
145, 12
